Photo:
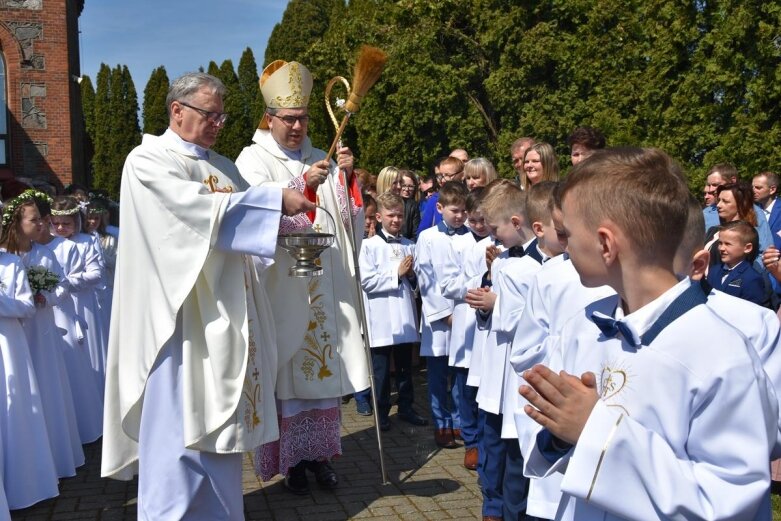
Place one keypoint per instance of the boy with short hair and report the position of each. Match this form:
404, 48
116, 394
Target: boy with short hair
501, 471
555, 295
661, 409
463, 269
437, 310
387, 278
735, 275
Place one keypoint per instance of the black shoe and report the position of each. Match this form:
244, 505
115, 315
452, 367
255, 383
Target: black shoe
412, 417
295, 480
324, 474
385, 424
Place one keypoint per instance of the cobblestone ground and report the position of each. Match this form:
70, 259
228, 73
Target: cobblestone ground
425, 482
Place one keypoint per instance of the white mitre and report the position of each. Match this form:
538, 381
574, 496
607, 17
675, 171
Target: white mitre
285, 85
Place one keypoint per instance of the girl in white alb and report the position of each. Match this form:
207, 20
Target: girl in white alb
86, 392
22, 224
29, 475
66, 222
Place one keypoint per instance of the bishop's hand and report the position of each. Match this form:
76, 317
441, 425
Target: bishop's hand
294, 202
317, 174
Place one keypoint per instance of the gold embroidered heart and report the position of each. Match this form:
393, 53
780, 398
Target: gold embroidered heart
612, 381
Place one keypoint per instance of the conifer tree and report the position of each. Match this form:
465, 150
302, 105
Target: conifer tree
88, 115
238, 129
248, 82
155, 113
102, 127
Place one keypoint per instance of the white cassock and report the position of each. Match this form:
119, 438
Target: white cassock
29, 474
429, 264
86, 391
463, 269
190, 368
555, 296
390, 301
684, 426
108, 247
46, 351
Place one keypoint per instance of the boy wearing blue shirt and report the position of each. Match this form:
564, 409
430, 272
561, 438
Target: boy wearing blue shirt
735, 275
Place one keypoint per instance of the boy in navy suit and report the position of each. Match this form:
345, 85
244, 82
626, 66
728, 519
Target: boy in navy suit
738, 247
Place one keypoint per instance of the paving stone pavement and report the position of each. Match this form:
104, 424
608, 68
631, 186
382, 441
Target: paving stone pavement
425, 482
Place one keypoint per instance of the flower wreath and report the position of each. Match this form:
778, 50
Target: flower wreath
28, 195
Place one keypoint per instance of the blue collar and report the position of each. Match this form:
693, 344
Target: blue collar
389, 239
444, 228
685, 302
533, 252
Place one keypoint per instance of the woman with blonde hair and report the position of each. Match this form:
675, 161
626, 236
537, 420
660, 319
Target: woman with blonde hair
478, 172
539, 164
409, 189
389, 180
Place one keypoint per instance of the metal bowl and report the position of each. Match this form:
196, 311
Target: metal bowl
305, 248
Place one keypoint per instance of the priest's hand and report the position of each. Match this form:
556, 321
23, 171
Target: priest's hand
560, 402
294, 202
317, 174
345, 160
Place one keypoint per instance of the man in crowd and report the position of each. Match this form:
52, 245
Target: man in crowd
517, 152
765, 186
321, 356
583, 142
186, 338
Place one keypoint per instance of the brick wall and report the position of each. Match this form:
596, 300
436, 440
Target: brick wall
39, 40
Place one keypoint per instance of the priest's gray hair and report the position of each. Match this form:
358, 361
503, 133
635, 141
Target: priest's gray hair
188, 84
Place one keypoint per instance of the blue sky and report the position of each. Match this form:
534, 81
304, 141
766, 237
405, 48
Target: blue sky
179, 34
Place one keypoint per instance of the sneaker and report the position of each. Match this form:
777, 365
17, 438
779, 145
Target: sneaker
363, 408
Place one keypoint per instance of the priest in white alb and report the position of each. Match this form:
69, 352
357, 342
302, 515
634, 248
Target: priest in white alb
321, 354
192, 353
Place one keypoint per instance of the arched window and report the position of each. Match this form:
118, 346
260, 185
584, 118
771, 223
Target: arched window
3, 114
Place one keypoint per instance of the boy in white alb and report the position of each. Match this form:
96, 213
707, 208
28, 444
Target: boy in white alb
556, 295
464, 267
653, 406
437, 310
502, 482
387, 279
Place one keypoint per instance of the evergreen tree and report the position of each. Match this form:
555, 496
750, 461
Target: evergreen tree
238, 129
155, 113
102, 127
88, 115
248, 82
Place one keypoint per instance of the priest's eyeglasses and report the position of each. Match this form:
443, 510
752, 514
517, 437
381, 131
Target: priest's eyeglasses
216, 118
289, 121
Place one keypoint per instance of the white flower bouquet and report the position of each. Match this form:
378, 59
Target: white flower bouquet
41, 279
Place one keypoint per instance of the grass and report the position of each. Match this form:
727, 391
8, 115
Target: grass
776, 506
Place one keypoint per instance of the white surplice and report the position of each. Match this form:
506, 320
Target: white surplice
390, 303
684, 427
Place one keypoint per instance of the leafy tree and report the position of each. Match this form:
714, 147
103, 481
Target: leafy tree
155, 113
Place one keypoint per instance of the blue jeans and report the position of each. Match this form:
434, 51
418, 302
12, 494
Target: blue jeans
466, 402
490, 466
443, 414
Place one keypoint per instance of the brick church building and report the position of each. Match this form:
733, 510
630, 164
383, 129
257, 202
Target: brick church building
41, 130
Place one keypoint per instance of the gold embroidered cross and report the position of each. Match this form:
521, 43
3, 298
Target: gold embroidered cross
212, 182
255, 374
318, 228
325, 336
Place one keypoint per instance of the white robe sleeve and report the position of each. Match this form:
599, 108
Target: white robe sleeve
533, 328
92, 273
453, 283
377, 276
16, 299
251, 222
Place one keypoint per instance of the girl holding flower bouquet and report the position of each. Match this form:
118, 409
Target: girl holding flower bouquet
29, 474
21, 225
87, 395
66, 222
